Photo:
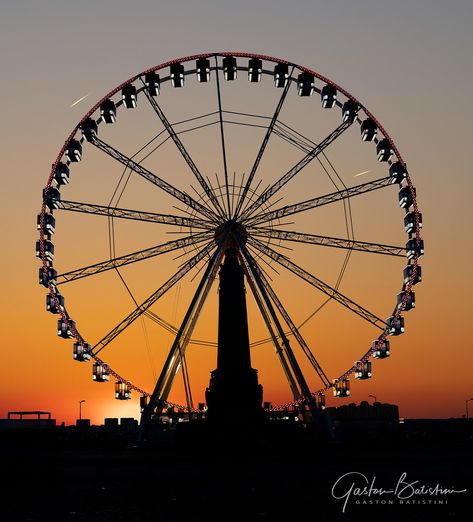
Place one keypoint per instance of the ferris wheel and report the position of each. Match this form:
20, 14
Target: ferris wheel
237, 198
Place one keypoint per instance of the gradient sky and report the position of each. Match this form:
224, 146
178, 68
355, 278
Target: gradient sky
409, 62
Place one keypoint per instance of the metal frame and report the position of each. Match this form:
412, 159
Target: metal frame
204, 214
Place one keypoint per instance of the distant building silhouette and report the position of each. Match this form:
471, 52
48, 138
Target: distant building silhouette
367, 421
28, 419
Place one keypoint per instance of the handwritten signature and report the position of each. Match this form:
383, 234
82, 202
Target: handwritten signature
354, 485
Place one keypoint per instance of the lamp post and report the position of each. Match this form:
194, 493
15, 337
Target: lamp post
466, 405
374, 397
80, 408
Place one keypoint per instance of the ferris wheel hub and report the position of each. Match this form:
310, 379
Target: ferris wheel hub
231, 233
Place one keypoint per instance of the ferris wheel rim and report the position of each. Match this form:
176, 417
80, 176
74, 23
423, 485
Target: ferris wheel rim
413, 262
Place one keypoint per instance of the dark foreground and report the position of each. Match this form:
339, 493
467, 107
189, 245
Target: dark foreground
74, 480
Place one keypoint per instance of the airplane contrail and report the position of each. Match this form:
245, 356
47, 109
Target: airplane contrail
361, 173
78, 101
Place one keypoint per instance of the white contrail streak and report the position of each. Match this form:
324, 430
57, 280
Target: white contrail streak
78, 101
361, 173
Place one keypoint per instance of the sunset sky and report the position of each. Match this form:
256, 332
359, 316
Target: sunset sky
409, 62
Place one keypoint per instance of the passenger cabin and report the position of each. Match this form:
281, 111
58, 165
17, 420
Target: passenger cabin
49, 223
410, 222
349, 111
129, 96
363, 370
108, 111
100, 372
255, 70
144, 401
384, 150
177, 75
305, 84
409, 270
81, 352
61, 174
328, 96
229, 68
281, 75
368, 130
66, 329
52, 198
74, 151
395, 325
341, 387
203, 70
47, 277
48, 249
153, 83
382, 349
414, 249
89, 129
406, 198
397, 172
122, 391
51, 303
410, 301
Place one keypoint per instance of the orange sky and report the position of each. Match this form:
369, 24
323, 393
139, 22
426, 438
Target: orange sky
429, 372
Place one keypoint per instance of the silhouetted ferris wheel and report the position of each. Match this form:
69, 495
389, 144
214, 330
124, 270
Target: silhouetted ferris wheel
246, 207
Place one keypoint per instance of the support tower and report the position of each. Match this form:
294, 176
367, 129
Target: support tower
233, 393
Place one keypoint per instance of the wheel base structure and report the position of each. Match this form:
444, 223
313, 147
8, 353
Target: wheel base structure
243, 391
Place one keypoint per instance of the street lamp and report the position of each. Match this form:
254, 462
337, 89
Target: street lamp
466, 405
374, 397
80, 408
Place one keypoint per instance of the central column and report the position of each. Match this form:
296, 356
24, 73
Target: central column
234, 394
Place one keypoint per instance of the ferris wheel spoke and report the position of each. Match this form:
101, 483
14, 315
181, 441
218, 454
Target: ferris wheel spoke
143, 307
290, 323
294, 140
137, 215
139, 255
173, 330
222, 135
320, 285
256, 274
264, 143
291, 173
209, 279
273, 336
320, 201
294, 137
172, 133
156, 180
335, 242
173, 361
